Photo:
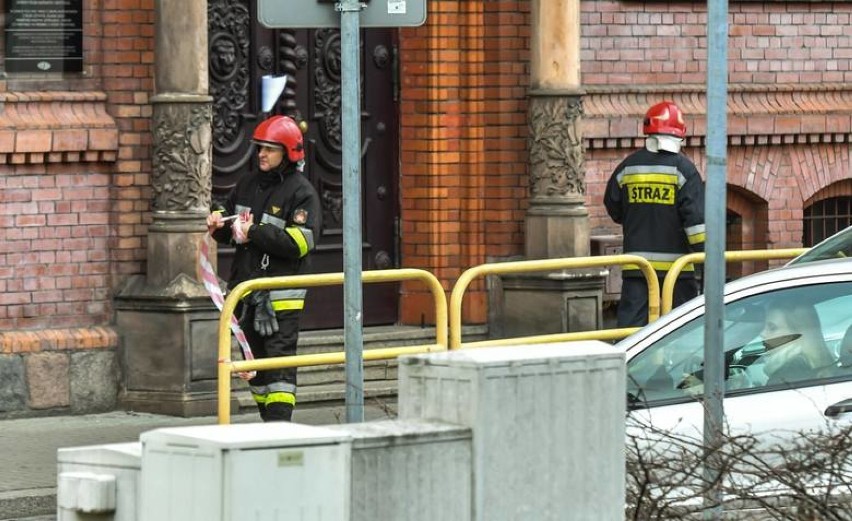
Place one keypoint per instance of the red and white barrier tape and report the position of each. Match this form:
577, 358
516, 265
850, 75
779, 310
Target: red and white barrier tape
211, 283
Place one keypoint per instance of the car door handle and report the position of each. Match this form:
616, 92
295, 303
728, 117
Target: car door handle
839, 408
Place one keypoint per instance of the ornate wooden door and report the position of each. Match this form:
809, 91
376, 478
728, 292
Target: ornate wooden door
241, 52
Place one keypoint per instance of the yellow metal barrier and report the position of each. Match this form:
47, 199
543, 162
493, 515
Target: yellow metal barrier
730, 256
551, 265
228, 366
452, 338
603, 334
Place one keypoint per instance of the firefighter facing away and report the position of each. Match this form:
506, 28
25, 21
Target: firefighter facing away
657, 195
275, 223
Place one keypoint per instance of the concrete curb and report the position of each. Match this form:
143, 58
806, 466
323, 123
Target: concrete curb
23, 504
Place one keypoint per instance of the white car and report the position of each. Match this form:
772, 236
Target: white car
788, 355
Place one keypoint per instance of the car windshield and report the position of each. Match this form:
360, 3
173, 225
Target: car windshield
784, 338
838, 245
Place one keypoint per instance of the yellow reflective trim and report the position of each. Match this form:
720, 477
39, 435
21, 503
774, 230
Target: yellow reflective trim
259, 398
297, 236
281, 397
697, 238
654, 193
284, 305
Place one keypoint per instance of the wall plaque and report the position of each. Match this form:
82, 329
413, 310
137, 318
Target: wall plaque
44, 35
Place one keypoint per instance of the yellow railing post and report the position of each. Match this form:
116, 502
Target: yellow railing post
469, 275
730, 256
448, 320
226, 366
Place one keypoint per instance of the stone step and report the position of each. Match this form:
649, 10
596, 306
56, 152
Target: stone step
326, 383
380, 394
37, 504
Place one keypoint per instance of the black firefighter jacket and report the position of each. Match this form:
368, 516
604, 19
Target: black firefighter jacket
658, 198
287, 221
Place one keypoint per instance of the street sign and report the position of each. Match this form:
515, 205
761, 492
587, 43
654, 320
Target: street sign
306, 14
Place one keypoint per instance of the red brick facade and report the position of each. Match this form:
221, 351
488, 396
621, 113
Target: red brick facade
74, 181
463, 182
790, 118
75, 153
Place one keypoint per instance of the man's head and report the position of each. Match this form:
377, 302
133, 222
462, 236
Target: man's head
665, 128
664, 118
277, 137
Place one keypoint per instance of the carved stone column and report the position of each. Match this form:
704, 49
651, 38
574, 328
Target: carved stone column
167, 321
557, 219
557, 223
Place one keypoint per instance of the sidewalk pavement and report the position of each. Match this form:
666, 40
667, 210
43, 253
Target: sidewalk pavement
28, 447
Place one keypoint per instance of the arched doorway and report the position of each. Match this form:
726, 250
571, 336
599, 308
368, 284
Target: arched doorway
746, 228
241, 51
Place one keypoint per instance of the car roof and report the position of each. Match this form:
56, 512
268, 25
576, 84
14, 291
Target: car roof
792, 271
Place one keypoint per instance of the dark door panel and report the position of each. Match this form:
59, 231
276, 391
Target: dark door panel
241, 52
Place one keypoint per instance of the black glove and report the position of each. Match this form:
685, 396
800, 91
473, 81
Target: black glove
265, 322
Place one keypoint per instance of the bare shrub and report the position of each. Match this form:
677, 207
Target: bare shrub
802, 476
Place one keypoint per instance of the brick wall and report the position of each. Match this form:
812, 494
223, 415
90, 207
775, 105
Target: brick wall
74, 181
464, 181
789, 102
76, 163
463, 178
128, 71
654, 43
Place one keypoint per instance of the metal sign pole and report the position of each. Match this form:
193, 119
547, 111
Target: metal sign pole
350, 35
714, 272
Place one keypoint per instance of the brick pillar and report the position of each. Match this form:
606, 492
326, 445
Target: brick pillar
167, 320
557, 222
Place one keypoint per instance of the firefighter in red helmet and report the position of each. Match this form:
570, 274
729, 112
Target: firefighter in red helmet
657, 195
275, 225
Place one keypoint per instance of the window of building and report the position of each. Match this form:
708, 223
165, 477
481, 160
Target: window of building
826, 217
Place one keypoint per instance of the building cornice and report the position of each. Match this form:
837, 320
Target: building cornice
56, 127
757, 114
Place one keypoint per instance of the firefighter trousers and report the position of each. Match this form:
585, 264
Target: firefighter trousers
274, 390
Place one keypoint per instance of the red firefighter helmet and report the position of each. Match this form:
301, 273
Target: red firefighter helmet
664, 118
281, 131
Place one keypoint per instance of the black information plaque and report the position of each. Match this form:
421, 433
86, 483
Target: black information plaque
44, 35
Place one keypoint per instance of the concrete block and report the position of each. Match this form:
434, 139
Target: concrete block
412, 470
548, 425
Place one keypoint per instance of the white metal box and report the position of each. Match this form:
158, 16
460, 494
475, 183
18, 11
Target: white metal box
98, 479
548, 425
410, 470
262, 472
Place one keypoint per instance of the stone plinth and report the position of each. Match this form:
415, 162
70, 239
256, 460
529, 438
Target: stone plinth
168, 352
542, 304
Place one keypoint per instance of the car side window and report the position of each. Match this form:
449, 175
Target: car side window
785, 338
